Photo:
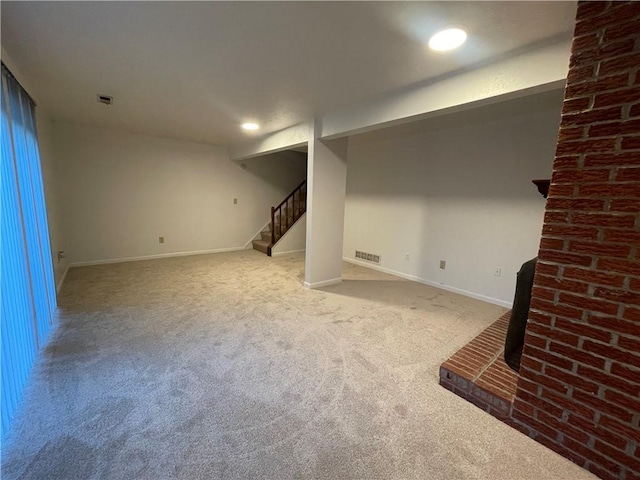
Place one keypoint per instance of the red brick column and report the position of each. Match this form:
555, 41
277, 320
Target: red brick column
579, 389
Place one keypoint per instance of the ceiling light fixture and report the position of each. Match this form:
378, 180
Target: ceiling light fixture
447, 39
250, 126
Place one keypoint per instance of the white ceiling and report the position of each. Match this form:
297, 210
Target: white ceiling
196, 70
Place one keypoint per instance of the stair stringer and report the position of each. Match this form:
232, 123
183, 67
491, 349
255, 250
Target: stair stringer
294, 239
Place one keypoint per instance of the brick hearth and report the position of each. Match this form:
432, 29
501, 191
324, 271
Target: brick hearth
477, 372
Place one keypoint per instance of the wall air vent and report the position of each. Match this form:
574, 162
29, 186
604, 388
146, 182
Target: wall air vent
106, 99
368, 257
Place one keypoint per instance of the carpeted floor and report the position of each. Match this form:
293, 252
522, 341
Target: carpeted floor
225, 367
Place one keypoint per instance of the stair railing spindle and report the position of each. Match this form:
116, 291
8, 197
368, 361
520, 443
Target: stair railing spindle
273, 225
286, 217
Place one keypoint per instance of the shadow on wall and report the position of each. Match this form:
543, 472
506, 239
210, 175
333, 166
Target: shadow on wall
270, 168
492, 151
455, 188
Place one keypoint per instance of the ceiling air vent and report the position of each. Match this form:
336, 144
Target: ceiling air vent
106, 99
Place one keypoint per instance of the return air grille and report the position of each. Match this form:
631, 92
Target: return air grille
368, 257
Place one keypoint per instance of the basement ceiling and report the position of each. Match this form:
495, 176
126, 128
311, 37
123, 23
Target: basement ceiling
196, 70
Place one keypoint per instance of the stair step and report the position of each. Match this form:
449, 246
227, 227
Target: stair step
261, 245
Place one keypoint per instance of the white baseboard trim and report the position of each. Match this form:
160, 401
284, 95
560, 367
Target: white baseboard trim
64, 275
413, 278
278, 254
152, 257
324, 283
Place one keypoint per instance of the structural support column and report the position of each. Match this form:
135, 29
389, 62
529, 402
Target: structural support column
326, 192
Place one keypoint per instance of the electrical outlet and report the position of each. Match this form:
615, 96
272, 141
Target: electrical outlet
235, 201
407, 257
443, 264
497, 272
160, 239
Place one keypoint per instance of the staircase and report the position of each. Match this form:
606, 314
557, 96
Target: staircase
282, 219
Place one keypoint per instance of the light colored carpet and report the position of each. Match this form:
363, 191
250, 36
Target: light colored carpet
225, 367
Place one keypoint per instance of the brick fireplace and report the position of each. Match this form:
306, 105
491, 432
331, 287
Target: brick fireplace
578, 391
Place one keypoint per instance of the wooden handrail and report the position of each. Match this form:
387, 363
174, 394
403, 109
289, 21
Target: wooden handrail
299, 187
284, 226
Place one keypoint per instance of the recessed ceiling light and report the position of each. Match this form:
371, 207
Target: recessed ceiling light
250, 126
447, 39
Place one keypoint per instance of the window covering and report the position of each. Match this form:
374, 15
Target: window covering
27, 287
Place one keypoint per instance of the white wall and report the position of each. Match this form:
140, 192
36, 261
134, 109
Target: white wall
287, 138
51, 182
121, 191
455, 188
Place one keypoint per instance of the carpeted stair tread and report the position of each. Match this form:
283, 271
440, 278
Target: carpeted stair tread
265, 235
261, 245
